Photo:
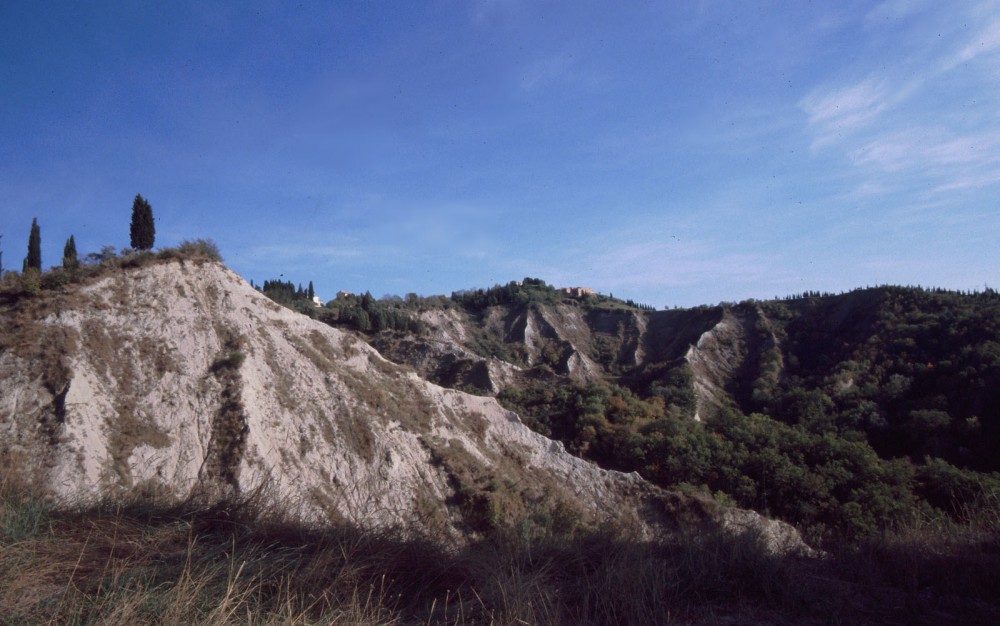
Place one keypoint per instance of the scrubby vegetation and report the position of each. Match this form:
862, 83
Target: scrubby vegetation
535, 291
240, 561
362, 313
529, 290
95, 265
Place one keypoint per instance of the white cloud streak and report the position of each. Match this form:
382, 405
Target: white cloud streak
902, 120
552, 69
988, 40
837, 112
483, 10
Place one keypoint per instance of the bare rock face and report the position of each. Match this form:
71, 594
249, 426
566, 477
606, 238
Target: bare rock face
735, 348
451, 354
181, 378
716, 359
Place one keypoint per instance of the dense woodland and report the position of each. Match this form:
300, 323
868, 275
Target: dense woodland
860, 411
362, 313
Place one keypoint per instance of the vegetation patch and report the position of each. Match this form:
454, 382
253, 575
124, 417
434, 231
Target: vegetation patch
229, 425
129, 431
357, 434
491, 499
282, 382
390, 398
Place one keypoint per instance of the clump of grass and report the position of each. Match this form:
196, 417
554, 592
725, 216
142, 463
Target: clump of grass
22, 514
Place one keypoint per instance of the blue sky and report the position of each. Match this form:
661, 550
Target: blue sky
676, 153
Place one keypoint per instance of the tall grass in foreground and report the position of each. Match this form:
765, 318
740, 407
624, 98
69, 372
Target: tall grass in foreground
238, 562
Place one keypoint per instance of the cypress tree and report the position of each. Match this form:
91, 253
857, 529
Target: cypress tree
34, 258
142, 231
69, 254
311, 294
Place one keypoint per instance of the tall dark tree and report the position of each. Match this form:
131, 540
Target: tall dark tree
311, 294
142, 230
1, 259
34, 258
69, 254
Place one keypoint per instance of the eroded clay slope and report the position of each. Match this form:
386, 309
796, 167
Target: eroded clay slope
182, 378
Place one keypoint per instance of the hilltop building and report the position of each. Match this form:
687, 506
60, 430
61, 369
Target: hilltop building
578, 292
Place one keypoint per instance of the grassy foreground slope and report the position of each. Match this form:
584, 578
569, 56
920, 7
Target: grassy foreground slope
239, 562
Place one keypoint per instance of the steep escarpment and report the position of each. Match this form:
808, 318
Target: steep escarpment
182, 379
727, 353
736, 361
511, 345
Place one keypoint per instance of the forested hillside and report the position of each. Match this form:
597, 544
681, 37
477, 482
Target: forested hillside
844, 414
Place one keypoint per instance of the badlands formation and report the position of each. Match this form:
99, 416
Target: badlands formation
179, 378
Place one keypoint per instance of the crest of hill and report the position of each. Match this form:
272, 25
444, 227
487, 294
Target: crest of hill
177, 377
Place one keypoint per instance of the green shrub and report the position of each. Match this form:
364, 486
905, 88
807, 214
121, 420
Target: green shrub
31, 281
204, 248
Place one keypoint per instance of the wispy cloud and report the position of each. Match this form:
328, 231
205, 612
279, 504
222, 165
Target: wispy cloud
956, 161
836, 112
298, 252
563, 69
976, 181
483, 10
987, 40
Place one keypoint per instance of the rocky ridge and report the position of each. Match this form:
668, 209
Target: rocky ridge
722, 347
180, 378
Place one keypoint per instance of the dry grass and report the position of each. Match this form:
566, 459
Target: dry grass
240, 562
933, 568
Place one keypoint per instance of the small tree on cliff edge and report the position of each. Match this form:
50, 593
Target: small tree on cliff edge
142, 230
34, 258
69, 254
